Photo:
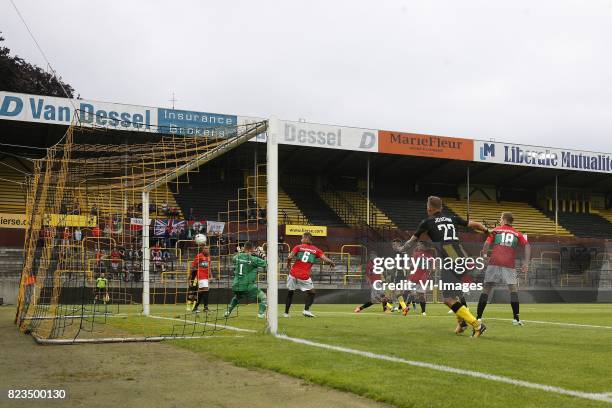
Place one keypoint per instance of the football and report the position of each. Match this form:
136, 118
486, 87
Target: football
200, 239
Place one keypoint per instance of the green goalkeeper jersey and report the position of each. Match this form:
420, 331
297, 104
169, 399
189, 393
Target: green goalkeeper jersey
245, 271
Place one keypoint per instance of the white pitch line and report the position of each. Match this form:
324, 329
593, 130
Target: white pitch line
604, 397
75, 316
592, 326
205, 324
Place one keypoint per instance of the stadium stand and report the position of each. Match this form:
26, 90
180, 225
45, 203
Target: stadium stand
206, 199
313, 207
528, 219
585, 224
288, 211
351, 207
11, 262
12, 194
607, 214
406, 213
115, 203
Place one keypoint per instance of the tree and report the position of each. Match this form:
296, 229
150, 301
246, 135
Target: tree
18, 75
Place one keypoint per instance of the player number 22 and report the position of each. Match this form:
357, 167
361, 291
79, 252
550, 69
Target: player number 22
449, 232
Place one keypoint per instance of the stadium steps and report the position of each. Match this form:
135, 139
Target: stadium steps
406, 213
114, 203
607, 214
11, 262
313, 207
288, 211
12, 195
206, 199
351, 207
587, 225
528, 219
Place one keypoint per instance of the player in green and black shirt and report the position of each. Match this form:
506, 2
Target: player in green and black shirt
245, 275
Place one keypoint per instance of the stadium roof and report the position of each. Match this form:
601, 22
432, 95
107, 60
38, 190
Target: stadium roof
40, 121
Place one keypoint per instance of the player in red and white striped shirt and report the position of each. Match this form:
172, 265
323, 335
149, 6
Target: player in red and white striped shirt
501, 269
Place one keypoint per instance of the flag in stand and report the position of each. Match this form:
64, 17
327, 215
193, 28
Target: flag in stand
161, 225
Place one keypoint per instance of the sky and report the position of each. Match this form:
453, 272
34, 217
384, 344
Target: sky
532, 72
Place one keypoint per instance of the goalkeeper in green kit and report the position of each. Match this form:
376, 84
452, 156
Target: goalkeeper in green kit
245, 275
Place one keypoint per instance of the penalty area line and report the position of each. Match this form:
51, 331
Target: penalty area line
221, 326
604, 397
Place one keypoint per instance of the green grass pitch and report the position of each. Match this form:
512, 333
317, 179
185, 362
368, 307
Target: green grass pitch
572, 357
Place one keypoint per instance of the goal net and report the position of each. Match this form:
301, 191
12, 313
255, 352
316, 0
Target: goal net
109, 254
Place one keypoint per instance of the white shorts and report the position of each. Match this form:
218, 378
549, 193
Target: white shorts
203, 283
295, 283
500, 274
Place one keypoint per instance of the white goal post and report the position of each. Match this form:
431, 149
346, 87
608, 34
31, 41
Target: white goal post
272, 223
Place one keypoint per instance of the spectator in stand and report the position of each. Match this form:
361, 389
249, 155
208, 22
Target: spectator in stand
76, 208
173, 237
182, 233
164, 208
94, 210
166, 259
191, 216
115, 261
189, 234
66, 235
262, 216
78, 235
167, 234
100, 256
156, 257
223, 245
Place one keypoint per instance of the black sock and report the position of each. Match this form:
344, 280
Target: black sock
205, 298
514, 302
462, 300
288, 301
456, 306
309, 300
482, 303
365, 305
384, 305
423, 304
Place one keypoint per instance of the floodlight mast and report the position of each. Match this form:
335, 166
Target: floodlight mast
252, 131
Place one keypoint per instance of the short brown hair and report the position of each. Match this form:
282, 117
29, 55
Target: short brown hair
434, 202
508, 217
307, 234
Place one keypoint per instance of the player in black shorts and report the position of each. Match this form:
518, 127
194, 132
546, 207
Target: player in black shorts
192, 289
442, 230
